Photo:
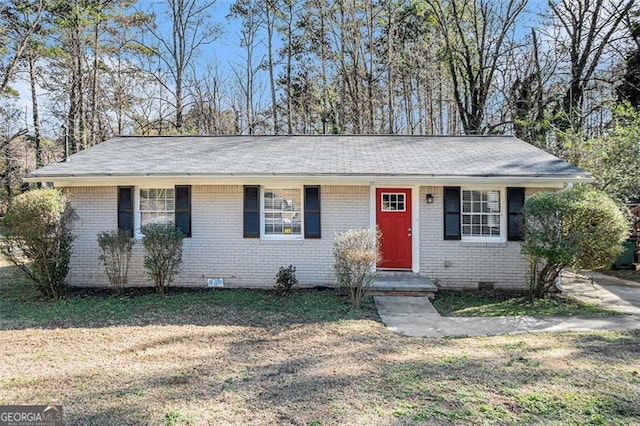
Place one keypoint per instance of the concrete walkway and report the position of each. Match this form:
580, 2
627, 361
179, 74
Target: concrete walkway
604, 290
415, 316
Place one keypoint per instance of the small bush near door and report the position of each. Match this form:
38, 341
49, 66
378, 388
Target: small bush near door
356, 254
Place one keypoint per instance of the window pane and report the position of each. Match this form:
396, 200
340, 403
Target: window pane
481, 213
282, 212
157, 206
393, 202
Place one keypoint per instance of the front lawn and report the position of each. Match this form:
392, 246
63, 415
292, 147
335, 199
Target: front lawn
495, 303
247, 357
86, 307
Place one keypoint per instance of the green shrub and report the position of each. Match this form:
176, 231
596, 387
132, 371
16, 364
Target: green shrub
356, 253
286, 278
39, 238
163, 245
579, 228
116, 248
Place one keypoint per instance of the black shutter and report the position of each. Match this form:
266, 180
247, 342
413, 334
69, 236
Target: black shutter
183, 209
251, 211
515, 202
312, 212
452, 213
125, 209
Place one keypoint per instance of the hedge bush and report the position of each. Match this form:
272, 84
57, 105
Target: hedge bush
115, 255
39, 238
579, 228
163, 245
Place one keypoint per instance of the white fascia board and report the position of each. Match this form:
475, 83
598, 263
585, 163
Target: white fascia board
151, 180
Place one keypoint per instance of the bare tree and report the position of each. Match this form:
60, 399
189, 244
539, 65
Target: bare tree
268, 12
248, 13
18, 22
191, 29
476, 34
585, 31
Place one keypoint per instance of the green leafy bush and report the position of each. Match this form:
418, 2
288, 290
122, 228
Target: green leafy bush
39, 238
579, 228
163, 245
286, 278
356, 253
116, 248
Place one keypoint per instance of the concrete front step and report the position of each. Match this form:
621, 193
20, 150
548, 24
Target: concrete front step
402, 284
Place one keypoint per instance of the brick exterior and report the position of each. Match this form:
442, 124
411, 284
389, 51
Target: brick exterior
217, 248
464, 265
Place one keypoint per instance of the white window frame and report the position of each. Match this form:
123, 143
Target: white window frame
503, 215
404, 201
263, 223
137, 214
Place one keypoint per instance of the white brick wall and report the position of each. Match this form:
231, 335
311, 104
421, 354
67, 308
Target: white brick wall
96, 209
462, 265
218, 249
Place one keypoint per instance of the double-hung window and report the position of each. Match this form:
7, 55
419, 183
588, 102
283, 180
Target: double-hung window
282, 210
157, 205
282, 213
481, 214
138, 207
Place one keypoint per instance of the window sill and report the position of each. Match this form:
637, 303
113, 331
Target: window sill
281, 241
484, 244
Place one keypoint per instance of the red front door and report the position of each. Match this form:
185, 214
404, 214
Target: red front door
393, 217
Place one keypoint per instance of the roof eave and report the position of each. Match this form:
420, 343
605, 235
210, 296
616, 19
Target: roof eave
344, 179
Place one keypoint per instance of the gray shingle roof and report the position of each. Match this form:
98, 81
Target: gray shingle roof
312, 155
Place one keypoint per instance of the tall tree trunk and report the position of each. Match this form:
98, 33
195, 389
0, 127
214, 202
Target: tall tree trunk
421, 106
34, 108
369, 71
94, 86
269, 23
81, 110
288, 70
390, 70
441, 129
71, 128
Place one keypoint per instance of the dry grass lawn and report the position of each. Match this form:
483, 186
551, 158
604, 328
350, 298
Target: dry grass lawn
234, 366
